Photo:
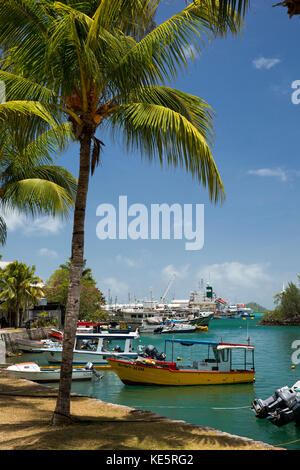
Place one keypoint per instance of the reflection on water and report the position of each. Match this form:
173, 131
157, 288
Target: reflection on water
223, 407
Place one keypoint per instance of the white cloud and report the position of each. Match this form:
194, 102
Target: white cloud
128, 261
236, 275
40, 226
44, 225
180, 272
13, 220
190, 52
275, 172
47, 252
116, 287
265, 63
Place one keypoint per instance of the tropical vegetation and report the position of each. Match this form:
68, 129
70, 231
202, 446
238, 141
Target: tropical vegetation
20, 289
91, 298
287, 310
105, 66
256, 308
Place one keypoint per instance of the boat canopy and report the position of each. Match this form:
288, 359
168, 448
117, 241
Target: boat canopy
188, 342
234, 346
130, 335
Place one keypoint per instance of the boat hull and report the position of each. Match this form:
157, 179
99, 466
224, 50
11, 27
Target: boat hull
81, 358
135, 374
48, 375
202, 321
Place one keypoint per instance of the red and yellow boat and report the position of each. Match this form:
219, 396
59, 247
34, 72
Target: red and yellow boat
217, 367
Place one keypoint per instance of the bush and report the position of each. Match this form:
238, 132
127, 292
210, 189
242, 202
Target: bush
43, 320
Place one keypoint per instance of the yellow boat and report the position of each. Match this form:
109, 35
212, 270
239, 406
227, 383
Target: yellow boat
216, 368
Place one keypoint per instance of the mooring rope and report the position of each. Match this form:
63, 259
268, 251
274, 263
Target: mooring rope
286, 443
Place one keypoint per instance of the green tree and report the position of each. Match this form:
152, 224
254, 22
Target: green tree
20, 289
91, 298
288, 302
29, 181
86, 272
103, 63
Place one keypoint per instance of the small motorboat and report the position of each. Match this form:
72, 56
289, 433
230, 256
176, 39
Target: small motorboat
220, 363
96, 347
282, 407
56, 334
34, 346
32, 371
171, 328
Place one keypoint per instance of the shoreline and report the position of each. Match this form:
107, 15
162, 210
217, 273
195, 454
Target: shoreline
26, 409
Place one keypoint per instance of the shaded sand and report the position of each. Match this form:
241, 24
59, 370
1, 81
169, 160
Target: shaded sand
26, 410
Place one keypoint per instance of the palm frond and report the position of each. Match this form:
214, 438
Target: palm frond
37, 195
159, 132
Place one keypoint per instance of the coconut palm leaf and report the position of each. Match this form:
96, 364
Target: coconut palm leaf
160, 132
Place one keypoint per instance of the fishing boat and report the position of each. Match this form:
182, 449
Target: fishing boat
32, 371
34, 346
217, 365
97, 347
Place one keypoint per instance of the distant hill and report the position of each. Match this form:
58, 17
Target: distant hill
256, 308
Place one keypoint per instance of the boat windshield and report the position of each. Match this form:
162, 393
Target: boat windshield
117, 345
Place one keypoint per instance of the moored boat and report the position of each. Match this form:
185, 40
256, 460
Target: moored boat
34, 346
97, 347
32, 371
171, 328
217, 367
202, 318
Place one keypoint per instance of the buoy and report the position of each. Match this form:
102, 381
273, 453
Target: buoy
292, 367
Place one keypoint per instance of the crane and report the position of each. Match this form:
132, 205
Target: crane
162, 299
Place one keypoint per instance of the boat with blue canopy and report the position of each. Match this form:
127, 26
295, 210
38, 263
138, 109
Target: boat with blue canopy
207, 363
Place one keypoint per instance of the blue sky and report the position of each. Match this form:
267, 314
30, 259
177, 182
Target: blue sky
252, 241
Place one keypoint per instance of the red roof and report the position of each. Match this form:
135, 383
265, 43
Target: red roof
222, 301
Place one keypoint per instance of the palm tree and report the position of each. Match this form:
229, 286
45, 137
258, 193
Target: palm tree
86, 272
19, 288
104, 64
29, 181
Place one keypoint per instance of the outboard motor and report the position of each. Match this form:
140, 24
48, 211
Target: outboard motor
158, 330
280, 408
151, 351
90, 366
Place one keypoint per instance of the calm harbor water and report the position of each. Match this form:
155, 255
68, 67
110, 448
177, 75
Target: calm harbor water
223, 407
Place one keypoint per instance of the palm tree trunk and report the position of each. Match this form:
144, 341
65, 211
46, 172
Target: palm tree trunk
62, 411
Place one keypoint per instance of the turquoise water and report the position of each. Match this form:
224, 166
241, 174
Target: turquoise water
223, 407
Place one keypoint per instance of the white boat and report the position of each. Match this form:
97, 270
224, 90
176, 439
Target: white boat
35, 346
96, 347
32, 371
176, 328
